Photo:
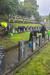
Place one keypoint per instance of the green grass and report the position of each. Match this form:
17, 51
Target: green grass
20, 24
11, 41
39, 65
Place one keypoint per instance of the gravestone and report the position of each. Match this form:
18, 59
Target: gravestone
45, 38
13, 29
2, 60
48, 37
27, 28
36, 28
30, 28
21, 49
9, 20
40, 40
24, 29
13, 19
17, 18
19, 30
33, 43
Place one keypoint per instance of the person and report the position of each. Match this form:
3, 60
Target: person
6, 27
21, 28
33, 33
43, 29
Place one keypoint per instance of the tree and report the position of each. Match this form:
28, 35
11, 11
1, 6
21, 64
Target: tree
21, 10
8, 6
31, 6
49, 16
36, 15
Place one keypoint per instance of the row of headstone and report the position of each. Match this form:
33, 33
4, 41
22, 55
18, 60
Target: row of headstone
26, 29
17, 17
21, 51
22, 45
30, 28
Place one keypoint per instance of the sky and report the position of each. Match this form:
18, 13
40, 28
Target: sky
44, 7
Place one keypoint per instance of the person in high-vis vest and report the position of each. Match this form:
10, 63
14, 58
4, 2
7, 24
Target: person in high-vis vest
6, 27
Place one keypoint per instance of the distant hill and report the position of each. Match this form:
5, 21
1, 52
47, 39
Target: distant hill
43, 16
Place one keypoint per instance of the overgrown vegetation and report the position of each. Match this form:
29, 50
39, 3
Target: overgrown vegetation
47, 18
39, 65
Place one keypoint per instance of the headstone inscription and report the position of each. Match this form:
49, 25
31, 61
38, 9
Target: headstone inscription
2, 60
21, 50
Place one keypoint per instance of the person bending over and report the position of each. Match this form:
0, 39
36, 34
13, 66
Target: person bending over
6, 27
21, 28
33, 33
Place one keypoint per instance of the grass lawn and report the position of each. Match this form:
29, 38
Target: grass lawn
11, 41
39, 65
20, 24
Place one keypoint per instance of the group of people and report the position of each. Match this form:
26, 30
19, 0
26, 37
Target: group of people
34, 32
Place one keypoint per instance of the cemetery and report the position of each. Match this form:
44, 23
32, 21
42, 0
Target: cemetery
24, 38
18, 51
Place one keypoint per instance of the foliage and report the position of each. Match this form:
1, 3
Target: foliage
8, 6
39, 65
21, 10
36, 15
49, 17
46, 17
31, 6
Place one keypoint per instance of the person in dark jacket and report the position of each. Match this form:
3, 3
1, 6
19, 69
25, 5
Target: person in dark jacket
21, 28
43, 29
33, 33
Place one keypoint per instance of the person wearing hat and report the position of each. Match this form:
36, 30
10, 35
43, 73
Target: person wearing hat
43, 29
6, 27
